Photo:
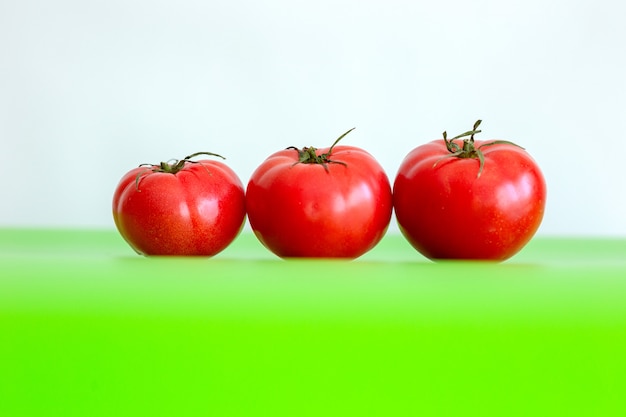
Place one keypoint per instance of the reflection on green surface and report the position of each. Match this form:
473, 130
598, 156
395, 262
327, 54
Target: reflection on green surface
89, 328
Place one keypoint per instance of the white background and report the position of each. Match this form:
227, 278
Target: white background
91, 89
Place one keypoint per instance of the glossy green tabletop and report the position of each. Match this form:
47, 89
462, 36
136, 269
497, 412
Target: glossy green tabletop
87, 327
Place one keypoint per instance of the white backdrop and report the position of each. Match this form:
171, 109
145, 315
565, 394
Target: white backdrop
90, 89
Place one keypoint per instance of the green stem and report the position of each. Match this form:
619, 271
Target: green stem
308, 154
468, 150
177, 165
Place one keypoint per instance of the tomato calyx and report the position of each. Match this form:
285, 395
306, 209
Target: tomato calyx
172, 166
308, 154
468, 150
175, 165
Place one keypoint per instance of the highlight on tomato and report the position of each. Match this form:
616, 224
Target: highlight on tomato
180, 208
332, 202
463, 198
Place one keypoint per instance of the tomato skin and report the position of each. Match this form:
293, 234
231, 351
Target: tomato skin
197, 211
446, 211
314, 210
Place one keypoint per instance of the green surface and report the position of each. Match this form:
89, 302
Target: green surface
89, 328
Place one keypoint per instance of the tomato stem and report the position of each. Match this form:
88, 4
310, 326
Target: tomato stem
308, 154
177, 164
468, 150
172, 166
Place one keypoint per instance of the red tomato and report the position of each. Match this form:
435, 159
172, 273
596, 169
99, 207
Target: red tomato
332, 202
466, 199
183, 208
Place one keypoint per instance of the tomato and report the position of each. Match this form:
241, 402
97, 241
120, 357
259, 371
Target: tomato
180, 208
468, 199
331, 202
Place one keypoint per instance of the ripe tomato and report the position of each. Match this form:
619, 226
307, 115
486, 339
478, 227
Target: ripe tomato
332, 202
180, 208
466, 199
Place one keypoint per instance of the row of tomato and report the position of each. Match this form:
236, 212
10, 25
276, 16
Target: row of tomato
457, 198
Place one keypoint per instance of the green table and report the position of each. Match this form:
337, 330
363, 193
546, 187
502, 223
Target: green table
89, 328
